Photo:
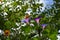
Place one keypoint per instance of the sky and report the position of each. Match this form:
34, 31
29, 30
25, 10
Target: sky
46, 3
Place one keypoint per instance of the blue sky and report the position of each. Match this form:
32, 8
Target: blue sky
46, 3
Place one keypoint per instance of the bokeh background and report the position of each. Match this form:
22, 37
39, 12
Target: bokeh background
29, 19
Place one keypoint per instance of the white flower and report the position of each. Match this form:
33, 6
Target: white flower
10, 6
23, 33
24, 24
13, 29
29, 33
5, 14
18, 24
8, 3
0, 2
20, 1
27, 13
17, 0
18, 28
29, 10
59, 31
58, 37
31, 24
18, 6
1, 32
10, 9
35, 35
3, 6
49, 39
12, 1
23, 5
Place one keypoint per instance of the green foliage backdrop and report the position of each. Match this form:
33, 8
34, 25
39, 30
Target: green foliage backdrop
16, 14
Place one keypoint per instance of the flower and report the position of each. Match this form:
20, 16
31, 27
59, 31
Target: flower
31, 24
1, 32
58, 31
5, 14
18, 24
44, 25
25, 20
22, 21
7, 32
24, 24
37, 19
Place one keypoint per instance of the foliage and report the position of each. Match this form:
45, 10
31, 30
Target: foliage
51, 17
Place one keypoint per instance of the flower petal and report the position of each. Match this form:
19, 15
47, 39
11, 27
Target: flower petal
44, 25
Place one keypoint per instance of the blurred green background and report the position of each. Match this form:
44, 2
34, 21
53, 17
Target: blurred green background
13, 11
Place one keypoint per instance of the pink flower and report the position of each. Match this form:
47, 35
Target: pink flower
27, 20
37, 19
44, 25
